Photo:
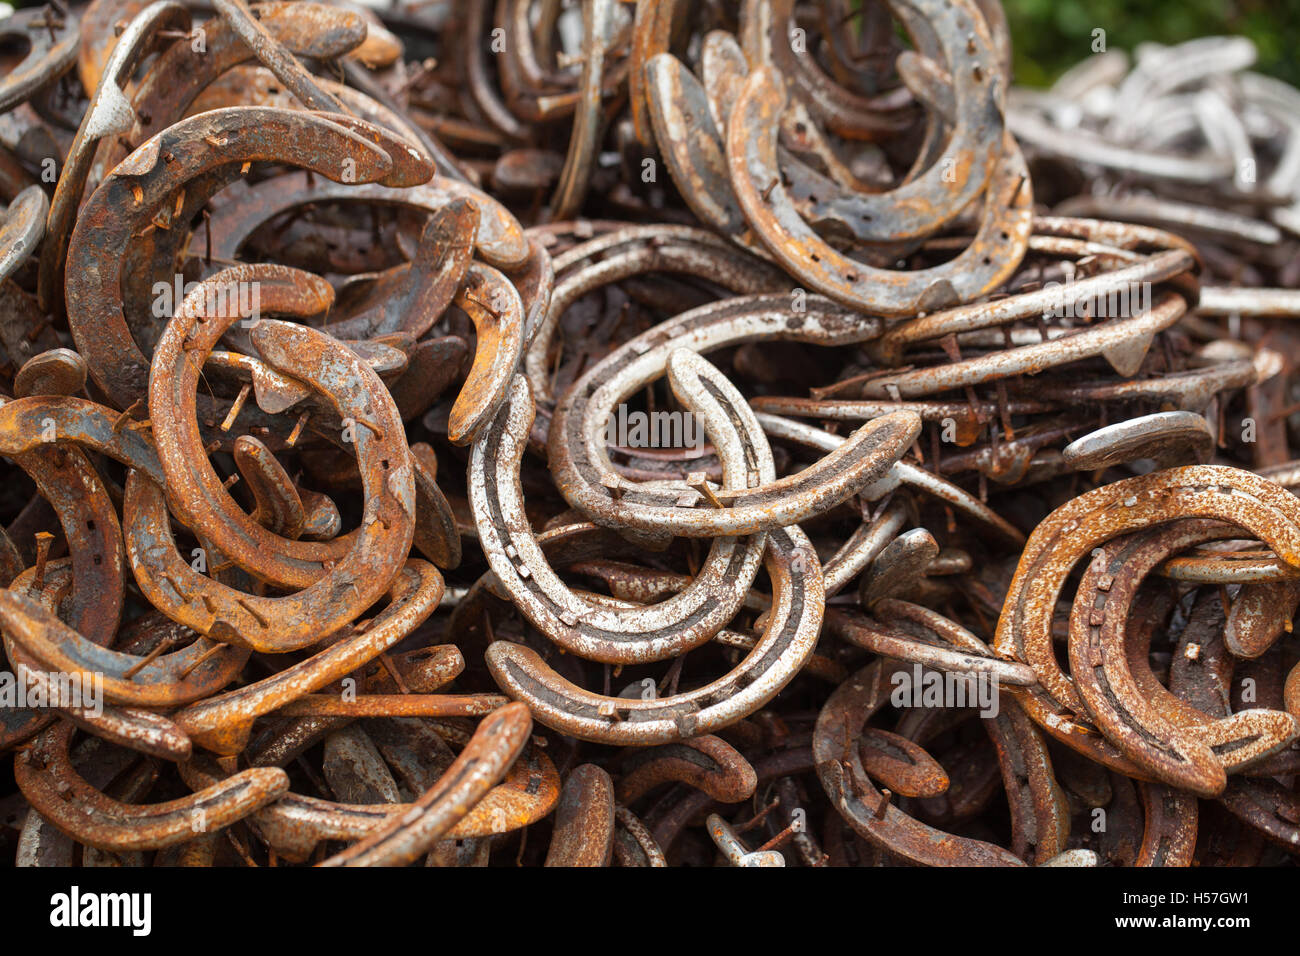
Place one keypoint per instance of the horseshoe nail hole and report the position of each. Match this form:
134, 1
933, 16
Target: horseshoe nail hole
99, 559
816, 258
988, 261
800, 128
385, 464
979, 75
850, 277
1005, 236
90, 524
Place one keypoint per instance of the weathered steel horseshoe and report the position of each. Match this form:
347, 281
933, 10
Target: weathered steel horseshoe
589, 481
275, 57
129, 679
114, 215
963, 168
61, 795
901, 473
663, 630
411, 297
890, 348
766, 38
130, 727
182, 71
599, 24
584, 820
177, 366
990, 259
788, 641
634, 251
839, 766
909, 632
52, 50
652, 29
1072, 531
1173, 741
691, 144
1167, 438
500, 239
352, 584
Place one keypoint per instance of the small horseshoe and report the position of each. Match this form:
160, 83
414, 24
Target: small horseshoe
50, 783
839, 766
113, 216
1195, 752
1087, 522
52, 43
787, 642
986, 263
664, 630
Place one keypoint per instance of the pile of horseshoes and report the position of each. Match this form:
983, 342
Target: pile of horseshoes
644, 433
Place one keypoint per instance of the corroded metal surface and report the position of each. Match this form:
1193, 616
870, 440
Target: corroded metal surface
642, 434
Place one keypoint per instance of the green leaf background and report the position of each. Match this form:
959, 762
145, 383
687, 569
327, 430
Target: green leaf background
1051, 35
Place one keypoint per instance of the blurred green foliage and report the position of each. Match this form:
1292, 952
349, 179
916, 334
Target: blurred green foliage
1049, 36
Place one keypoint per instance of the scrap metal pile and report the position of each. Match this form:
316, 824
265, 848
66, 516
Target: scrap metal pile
350, 517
